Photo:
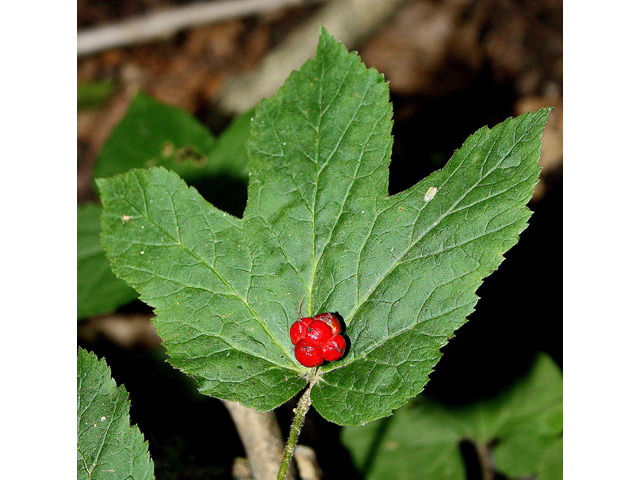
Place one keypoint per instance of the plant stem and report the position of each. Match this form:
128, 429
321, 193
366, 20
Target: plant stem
298, 420
484, 457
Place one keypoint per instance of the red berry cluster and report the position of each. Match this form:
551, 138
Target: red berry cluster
317, 339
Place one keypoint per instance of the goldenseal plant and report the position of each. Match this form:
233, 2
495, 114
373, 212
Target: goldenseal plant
400, 271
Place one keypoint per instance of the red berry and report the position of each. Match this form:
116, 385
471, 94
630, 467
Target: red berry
308, 354
298, 330
334, 348
318, 332
330, 320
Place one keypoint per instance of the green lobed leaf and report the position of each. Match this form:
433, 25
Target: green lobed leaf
422, 440
419, 441
190, 262
109, 447
401, 271
99, 291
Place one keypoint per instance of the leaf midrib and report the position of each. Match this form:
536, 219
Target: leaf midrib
318, 258
355, 177
315, 195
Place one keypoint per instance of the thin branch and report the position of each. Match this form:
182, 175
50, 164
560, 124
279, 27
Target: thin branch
307, 463
261, 438
160, 25
350, 21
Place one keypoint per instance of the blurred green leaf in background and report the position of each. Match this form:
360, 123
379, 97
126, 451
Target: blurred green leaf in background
153, 133
99, 290
518, 433
95, 94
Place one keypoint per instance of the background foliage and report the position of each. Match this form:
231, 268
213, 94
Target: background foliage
422, 440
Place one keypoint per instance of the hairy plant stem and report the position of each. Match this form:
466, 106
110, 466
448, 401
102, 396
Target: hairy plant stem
298, 420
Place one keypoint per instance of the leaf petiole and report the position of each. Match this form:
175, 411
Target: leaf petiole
298, 421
